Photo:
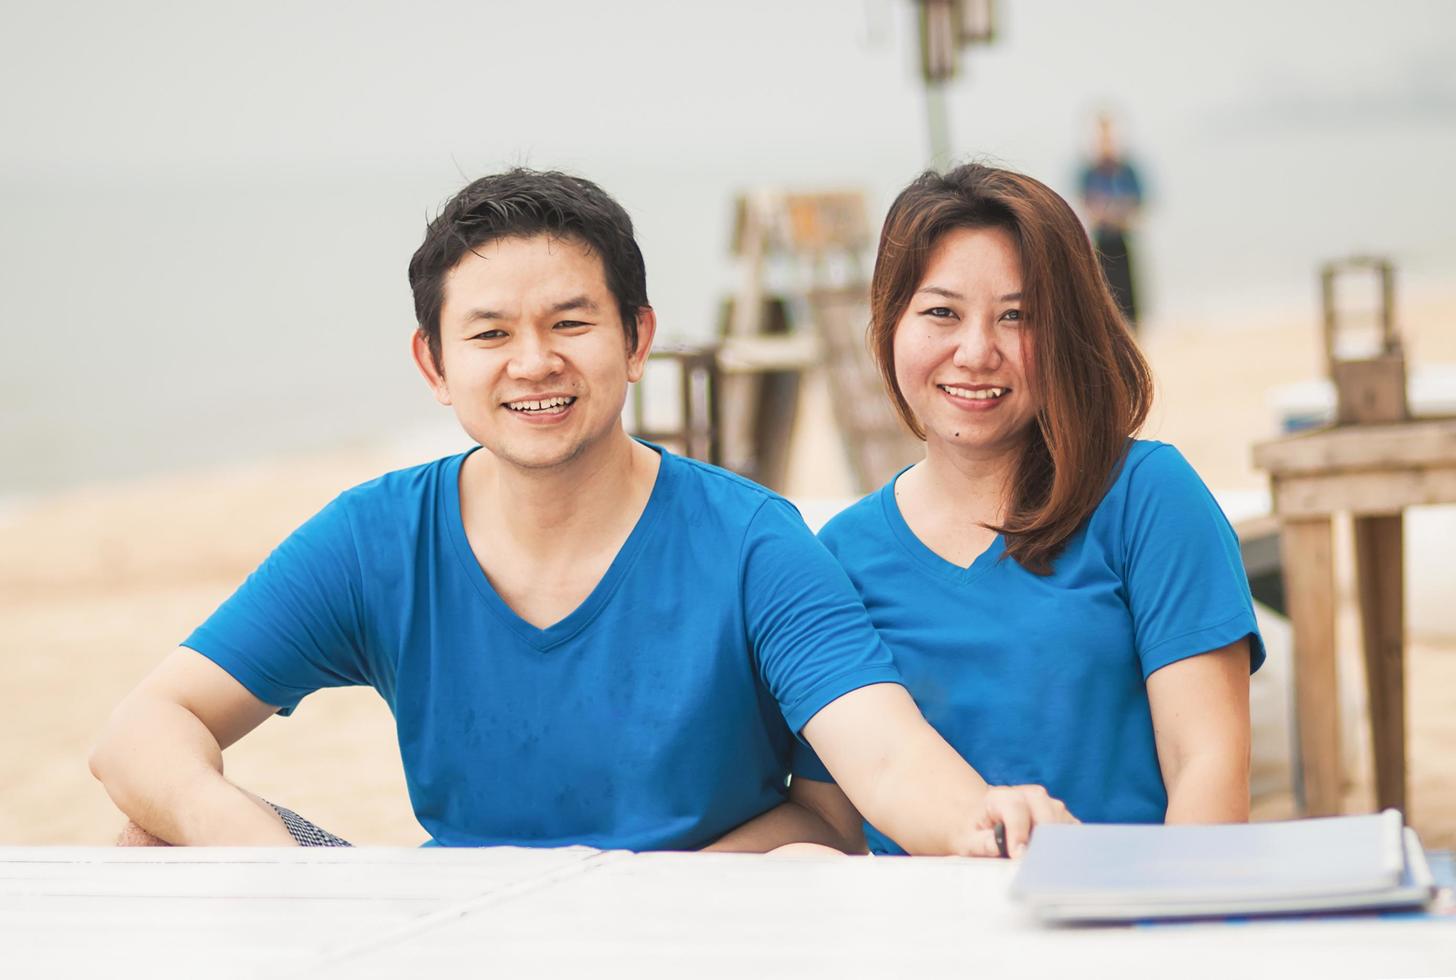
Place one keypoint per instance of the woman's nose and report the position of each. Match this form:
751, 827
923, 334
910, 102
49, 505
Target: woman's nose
976, 348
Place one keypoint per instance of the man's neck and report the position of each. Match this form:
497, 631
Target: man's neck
553, 511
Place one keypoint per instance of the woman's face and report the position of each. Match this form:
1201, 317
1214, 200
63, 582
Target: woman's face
963, 351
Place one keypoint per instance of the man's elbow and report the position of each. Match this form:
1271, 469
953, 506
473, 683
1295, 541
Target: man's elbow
109, 750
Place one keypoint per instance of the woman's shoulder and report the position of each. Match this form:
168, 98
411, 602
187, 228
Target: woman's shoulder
1151, 466
1154, 478
863, 517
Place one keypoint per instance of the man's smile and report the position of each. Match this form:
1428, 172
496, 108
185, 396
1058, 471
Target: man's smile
543, 405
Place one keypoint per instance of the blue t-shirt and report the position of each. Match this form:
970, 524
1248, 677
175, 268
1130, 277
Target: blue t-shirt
1041, 679
658, 715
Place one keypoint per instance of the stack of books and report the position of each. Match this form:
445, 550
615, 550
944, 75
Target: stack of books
1126, 872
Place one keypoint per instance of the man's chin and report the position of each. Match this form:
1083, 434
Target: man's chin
537, 458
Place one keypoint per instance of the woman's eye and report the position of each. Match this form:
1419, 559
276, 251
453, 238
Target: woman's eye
1011, 315
939, 312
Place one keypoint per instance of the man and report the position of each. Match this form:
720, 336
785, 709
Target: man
583, 639
1112, 196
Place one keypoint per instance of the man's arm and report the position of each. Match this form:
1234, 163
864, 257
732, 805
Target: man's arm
1200, 709
160, 756
897, 770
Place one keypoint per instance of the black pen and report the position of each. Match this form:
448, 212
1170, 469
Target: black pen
999, 832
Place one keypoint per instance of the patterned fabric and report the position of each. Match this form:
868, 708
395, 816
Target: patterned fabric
305, 832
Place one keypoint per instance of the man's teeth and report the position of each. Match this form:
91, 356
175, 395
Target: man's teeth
977, 394
541, 405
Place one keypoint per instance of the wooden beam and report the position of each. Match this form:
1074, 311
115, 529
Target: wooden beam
1364, 493
1400, 445
1310, 580
1379, 560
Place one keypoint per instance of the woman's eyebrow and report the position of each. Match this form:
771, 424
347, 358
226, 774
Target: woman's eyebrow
939, 291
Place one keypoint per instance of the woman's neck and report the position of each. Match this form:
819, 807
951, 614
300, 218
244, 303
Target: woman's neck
977, 487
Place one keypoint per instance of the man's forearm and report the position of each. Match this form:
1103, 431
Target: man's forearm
924, 797
163, 769
787, 823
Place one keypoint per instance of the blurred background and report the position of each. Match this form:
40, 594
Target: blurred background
206, 211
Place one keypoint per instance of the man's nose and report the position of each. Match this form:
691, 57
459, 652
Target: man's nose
534, 357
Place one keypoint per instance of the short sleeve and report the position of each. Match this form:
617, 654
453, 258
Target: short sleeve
1186, 586
806, 764
811, 637
294, 625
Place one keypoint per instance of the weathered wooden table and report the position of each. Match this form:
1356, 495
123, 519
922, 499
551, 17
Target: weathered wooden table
507, 912
1372, 472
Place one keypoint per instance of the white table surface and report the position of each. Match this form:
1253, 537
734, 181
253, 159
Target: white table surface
366, 912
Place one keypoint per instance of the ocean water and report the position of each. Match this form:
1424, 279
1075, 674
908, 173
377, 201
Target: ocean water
205, 219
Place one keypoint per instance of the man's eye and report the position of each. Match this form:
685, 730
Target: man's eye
489, 335
570, 325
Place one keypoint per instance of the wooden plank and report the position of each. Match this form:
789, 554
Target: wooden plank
660, 915
1379, 561
877, 442
1364, 493
1309, 578
1413, 444
721, 916
769, 352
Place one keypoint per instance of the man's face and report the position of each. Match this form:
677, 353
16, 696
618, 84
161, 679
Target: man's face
533, 355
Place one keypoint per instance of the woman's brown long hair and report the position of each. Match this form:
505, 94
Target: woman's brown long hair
1094, 385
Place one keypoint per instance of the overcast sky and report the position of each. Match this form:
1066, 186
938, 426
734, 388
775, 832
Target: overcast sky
215, 185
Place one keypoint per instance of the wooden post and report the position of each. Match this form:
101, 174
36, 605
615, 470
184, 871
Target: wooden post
1310, 586
1379, 552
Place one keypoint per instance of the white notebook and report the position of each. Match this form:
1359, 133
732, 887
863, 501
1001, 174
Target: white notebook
1122, 872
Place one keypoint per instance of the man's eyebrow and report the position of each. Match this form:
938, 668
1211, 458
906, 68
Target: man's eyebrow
583, 303
474, 315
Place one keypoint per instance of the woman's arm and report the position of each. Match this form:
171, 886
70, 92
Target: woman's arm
1200, 709
791, 822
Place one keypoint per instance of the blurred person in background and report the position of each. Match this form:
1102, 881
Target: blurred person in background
583, 638
1112, 196
1066, 603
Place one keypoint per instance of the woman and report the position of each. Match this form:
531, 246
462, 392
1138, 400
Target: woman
1067, 604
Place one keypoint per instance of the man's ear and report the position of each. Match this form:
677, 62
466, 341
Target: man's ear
646, 330
425, 361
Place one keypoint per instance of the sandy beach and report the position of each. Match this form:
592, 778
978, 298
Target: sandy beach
97, 584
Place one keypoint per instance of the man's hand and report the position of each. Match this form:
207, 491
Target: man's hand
1017, 809
909, 783
133, 836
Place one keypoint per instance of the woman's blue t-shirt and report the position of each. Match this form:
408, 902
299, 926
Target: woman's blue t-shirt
658, 715
1041, 679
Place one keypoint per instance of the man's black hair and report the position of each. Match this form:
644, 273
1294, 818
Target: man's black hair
522, 203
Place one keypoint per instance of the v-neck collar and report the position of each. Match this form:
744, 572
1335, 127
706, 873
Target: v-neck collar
923, 555
579, 618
